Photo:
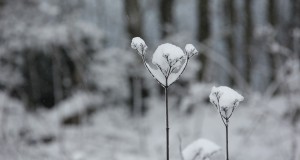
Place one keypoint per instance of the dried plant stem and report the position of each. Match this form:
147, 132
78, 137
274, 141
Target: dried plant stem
167, 122
227, 153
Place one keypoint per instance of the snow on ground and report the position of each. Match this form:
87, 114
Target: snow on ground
256, 132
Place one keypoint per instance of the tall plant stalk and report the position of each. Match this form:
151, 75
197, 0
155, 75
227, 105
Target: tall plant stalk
167, 123
227, 152
225, 100
226, 124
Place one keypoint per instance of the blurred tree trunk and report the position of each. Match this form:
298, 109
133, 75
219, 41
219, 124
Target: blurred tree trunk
32, 79
295, 35
296, 26
2, 3
272, 15
248, 38
166, 17
134, 28
272, 19
203, 32
134, 23
260, 69
240, 42
57, 76
230, 21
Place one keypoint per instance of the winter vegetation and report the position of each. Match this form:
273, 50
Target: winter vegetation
225, 100
168, 60
72, 86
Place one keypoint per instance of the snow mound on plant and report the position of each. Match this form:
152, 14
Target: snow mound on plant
227, 97
138, 44
201, 148
168, 56
190, 50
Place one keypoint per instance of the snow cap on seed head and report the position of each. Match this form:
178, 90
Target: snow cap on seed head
139, 44
200, 149
168, 57
190, 50
225, 97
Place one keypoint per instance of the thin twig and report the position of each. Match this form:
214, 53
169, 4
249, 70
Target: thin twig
146, 65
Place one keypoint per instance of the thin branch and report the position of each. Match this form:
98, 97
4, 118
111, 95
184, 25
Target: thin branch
231, 112
145, 64
219, 108
187, 60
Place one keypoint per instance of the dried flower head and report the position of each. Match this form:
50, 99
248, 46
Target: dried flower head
225, 100
190, 50
168, 57
139, 44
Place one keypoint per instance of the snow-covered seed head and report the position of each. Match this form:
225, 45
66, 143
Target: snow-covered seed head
168, 57
139, 44
190, 50
225, 100
200, 149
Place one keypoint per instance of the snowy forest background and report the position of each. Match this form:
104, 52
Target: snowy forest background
71, 88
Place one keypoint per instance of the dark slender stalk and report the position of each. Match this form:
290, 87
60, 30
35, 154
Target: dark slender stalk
227, 153
167, 122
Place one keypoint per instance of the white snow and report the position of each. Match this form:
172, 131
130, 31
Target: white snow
190, 50
201, 148
139, 44
77, 103
168, 57
11, 116
228, 98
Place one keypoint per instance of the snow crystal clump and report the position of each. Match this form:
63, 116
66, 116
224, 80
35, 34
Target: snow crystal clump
190, 50
225, 97
168, 57
201, 148
139, 44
